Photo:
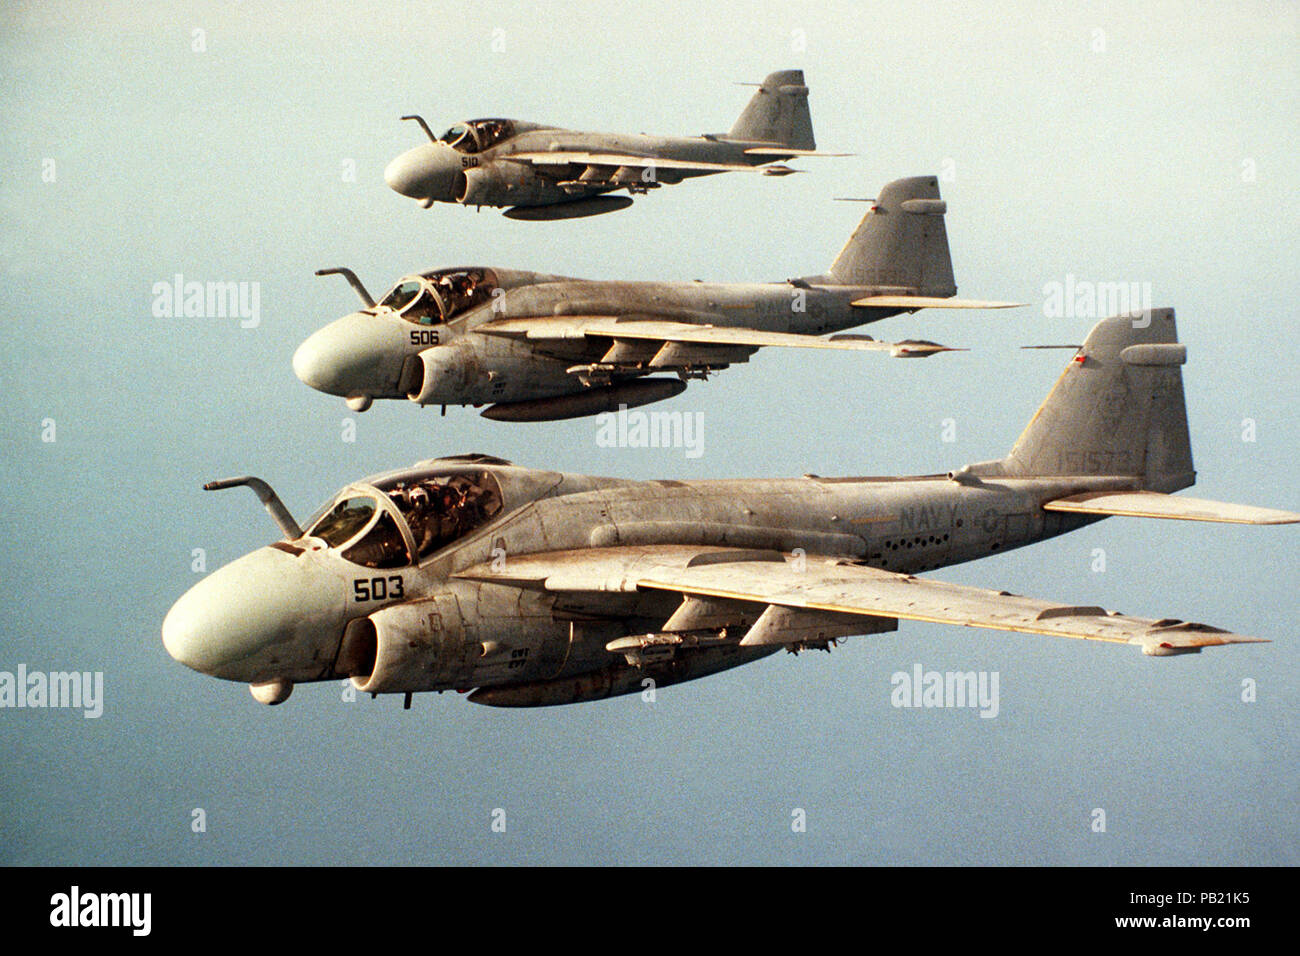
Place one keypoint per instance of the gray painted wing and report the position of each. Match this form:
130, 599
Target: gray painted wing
841, 587
568, 156
577, 327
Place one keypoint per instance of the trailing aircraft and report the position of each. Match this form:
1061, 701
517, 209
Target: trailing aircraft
536, 171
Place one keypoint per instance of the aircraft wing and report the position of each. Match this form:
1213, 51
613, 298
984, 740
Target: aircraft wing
839, 587
565, 157
542, 328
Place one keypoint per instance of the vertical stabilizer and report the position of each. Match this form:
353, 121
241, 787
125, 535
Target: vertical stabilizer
778, 113
1117, 409
901, 243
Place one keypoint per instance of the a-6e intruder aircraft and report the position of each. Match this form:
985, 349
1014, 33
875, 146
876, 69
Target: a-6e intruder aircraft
544, 172
532, 587
538, 347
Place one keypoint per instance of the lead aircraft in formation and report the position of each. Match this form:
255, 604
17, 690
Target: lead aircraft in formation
528, 587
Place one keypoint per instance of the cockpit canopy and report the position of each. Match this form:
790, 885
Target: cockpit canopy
439, 296
406, 519
474, 136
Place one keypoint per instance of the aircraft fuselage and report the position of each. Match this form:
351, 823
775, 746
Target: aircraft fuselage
443, 625
382, 354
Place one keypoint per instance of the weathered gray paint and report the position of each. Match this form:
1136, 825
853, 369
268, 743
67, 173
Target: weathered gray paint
515, 172
535, 606
473, 360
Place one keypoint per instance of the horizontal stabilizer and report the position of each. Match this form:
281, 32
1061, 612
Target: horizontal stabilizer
786, 151
1153, 504
929, 302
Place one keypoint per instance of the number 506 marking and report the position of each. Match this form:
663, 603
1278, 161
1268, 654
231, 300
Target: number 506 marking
378, 589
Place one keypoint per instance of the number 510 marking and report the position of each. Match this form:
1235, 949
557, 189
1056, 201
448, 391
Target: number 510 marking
378, 589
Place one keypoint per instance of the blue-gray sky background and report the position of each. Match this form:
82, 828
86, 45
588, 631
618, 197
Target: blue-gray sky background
1151, 143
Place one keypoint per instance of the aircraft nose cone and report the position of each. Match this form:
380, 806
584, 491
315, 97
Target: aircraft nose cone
356, 355
254, 613
408, 174
182, 633
315, 364
426, 173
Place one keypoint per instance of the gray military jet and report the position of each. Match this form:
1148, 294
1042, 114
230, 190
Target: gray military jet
540, 347
543, 172
532, 587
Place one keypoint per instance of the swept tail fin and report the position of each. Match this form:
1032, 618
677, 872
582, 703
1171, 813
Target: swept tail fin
1118, 411
778, 113
901, 244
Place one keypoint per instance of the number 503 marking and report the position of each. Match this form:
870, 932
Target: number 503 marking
378, 589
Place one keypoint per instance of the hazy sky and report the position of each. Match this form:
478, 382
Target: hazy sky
1153, 143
